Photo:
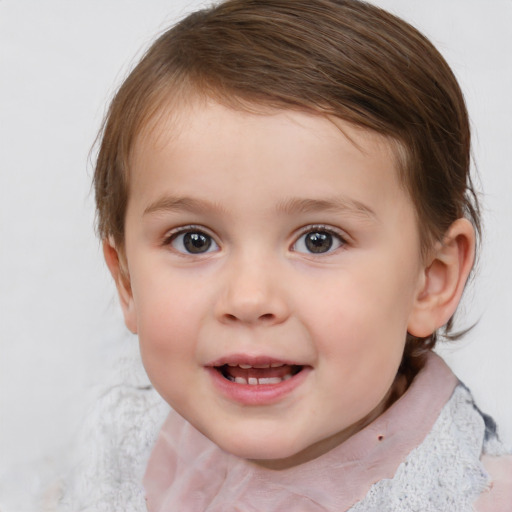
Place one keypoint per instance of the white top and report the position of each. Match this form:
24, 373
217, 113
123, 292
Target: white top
430, 451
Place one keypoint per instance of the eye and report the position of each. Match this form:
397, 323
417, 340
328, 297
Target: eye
192, 242
318, 241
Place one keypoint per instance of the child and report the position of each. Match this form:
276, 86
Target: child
285, 205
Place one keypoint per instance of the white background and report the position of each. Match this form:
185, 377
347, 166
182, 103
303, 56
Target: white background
60, 327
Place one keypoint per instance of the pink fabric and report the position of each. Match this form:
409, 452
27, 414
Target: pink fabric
186, 471
498, 498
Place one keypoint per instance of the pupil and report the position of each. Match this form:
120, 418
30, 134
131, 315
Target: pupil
196, 242
318, 242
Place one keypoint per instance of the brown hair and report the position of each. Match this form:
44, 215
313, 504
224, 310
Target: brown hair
344, 58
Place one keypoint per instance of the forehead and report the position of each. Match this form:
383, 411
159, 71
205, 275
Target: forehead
181, 109
202, 143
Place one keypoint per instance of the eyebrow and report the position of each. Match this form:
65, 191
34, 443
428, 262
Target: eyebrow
189, 204
334, 204
292, 206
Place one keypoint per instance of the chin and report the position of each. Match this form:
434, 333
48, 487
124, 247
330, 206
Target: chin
266, 450
258, 448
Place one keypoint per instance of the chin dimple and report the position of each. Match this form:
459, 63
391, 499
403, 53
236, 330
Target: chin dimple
258, 375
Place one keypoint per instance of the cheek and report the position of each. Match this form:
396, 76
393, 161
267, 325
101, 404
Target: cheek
167, 316
168, 348
362, 323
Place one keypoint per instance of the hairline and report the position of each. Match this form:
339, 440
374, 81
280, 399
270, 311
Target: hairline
183, 92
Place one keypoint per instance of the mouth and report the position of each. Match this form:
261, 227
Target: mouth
257, 380
266, 374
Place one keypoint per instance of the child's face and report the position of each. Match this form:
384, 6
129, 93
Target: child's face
274, 266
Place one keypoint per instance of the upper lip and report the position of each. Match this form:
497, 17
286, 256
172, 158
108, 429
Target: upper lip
260, 361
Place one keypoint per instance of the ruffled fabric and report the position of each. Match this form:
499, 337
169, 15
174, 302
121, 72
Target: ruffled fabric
444, 473
366, 472
421, 454
113, 448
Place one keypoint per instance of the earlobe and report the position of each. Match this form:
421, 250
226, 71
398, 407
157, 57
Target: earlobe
121, 277
444, 280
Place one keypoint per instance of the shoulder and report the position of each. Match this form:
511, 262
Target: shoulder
459, 465
496, 462
498, 496
114, 445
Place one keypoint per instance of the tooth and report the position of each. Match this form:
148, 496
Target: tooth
245, 366
240, 380
287, 376
252, 381
276, 365
232, 364
269, 380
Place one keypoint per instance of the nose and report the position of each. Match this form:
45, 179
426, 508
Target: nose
252, 293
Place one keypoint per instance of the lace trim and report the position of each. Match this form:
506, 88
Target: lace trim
444, 473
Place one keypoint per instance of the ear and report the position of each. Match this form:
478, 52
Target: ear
444, 280
117, 265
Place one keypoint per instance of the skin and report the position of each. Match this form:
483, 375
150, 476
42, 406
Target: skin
255, 185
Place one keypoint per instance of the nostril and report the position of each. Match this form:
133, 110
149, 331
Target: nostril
266, 317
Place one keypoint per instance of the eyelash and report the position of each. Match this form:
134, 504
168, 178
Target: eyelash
172, 237
334, 233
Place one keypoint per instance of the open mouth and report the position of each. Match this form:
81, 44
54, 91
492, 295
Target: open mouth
261, 374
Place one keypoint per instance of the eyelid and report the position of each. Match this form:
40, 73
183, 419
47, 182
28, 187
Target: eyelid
171, 235
336, 232
342, 235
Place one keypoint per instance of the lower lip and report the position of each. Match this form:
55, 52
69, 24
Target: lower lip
258, 394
